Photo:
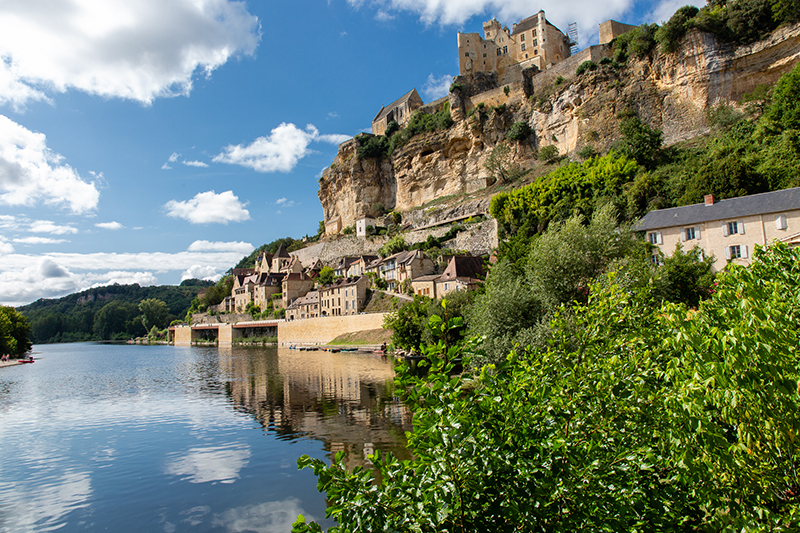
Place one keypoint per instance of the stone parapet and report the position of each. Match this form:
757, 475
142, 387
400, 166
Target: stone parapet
322, 330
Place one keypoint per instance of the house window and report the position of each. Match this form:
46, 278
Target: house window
505, 49
523, 46
656, 259
655, 237
689, 234
733, 228
447, 286
536, 52
533, 33
499, 51
535, 42
735, 252
522, 38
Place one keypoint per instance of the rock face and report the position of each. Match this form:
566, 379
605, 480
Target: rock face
670, 92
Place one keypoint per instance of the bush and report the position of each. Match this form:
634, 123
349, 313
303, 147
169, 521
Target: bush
638, 43
391, 128
372, 146
506, 90
587, 152
670, 34
586, 66
519, 131
549, 154
392, 246
500, 109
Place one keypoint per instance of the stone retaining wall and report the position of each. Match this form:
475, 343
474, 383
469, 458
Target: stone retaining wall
322, 330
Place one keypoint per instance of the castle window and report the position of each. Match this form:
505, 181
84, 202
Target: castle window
535, 43
499, 51
466, 54
536, 52
484, 55
522, 37
534, 33
505, 49
523, 47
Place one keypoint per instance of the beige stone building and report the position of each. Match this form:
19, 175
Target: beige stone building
295, 285
399, 111
304, 307
401, 266
727, 229
347, 296
532, 42
461, 273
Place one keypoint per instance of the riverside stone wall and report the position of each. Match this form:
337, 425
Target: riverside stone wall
322, 330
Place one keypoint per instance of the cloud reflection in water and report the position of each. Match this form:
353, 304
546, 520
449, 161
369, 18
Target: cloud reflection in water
216, 463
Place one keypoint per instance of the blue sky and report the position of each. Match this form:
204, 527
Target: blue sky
151, 141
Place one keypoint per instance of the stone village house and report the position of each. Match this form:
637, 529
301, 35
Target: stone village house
346, 296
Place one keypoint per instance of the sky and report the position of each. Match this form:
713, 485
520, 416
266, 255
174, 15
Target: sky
153, 141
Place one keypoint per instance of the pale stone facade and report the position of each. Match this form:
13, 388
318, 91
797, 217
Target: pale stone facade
532, 42
399, 111
611, 29
304, 307
344, 297
727, 229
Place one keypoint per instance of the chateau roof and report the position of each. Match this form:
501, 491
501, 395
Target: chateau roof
755, 204
526, 24
281, 252
403, 99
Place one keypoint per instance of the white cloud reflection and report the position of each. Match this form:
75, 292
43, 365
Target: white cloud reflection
268, 517
204, 465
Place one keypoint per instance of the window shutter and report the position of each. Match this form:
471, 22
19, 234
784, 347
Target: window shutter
740, 227
697, 233
725, 230
659, 239
683, 235
728, 253
780, 221
744, 251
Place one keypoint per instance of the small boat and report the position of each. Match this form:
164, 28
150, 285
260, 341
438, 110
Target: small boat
27, 360
334, 350
349, 349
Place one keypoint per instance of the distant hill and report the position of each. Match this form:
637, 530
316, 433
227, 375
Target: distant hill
104, 313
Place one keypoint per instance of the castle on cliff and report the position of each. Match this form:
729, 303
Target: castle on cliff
532, 42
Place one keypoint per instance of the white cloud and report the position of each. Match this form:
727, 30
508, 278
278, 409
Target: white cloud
109, 225
587, 13
436, 88
117, 48
278, 152
28, 277
38, 240
166, 166
5, 247
209, 207
198, 164
201, 272
30, 172
333, 114
174, 157
234, 246
46, 226
283, 202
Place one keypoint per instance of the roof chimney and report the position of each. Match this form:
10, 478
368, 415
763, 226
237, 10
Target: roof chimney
709, 199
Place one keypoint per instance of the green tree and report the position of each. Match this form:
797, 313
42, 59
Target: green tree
501, 163
685, 277
640, 141
14, 332
784, 110
394, 245
408, 322
116, 319
634, 418
154, 313
326, 275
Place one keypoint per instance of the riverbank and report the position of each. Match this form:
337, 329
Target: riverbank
10, 362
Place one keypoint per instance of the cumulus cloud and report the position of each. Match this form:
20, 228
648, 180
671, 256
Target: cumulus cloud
198, 164
209, 207
435, 87
201, 272
279, 151
6, 247
109, 225
664, 10
587, 13
138, 50
27, 277
30, 172
38, 240
234, 246
268, 517
203, 465
46, 226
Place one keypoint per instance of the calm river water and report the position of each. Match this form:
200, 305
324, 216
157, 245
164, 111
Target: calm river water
160, 438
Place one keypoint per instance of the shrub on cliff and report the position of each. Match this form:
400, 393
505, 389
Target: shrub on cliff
372, 146
670, 34
519, 131
586, 66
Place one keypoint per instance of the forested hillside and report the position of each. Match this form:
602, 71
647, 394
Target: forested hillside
105, 313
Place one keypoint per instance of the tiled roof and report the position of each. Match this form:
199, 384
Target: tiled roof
526, 24
461, 266
281, 252
755, 204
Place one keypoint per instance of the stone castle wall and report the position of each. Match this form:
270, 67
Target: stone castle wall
322, 330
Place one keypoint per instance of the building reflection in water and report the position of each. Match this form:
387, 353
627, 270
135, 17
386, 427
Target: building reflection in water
345, 400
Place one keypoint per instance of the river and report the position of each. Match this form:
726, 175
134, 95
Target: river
161, 438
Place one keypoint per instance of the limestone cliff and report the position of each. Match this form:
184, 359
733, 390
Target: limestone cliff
671, 92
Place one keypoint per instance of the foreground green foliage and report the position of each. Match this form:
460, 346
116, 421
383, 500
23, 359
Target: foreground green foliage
635, 418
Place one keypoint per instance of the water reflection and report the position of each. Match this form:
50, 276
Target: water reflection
203, 465
344, 399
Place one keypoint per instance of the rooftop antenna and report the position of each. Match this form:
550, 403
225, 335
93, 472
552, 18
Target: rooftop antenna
573, 38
